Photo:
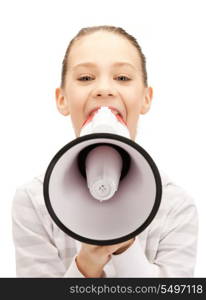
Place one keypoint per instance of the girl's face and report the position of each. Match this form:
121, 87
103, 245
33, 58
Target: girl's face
104, 69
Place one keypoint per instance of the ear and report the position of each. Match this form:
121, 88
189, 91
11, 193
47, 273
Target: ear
147, 100
62, 102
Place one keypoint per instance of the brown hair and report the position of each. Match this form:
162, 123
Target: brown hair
116, 30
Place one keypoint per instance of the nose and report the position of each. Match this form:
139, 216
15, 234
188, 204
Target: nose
104, 89
103, 93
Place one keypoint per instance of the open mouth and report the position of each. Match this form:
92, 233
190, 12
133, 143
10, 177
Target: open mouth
113, 110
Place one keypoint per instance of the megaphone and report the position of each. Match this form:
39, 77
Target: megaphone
102, 188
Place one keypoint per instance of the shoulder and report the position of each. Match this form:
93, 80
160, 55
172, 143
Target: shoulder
177, 213
30, 194
177, 205
173, 195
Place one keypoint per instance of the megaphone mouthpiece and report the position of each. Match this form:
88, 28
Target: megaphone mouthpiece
103, 171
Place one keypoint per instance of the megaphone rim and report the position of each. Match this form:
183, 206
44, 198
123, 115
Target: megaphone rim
120, 138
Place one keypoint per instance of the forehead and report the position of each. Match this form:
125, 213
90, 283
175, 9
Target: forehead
103, 47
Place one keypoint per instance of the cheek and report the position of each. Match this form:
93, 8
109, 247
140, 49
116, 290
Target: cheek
76, 99
133, 102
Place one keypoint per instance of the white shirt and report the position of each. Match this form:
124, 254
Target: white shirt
166, 248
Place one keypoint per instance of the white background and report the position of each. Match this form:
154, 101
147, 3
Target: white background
33, 39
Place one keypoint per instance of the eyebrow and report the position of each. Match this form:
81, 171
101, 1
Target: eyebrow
93, 65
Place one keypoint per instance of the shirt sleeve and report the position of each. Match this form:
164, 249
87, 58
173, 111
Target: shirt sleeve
73, 270
133, 263
176, 253
36, 254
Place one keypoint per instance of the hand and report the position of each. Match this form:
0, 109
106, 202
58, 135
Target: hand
92, 259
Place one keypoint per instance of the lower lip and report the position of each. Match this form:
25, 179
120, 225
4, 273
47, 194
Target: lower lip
119, 117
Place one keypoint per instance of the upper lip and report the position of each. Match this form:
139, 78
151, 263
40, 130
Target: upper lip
114, 109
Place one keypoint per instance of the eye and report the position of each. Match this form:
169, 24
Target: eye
123, 78
85, 78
